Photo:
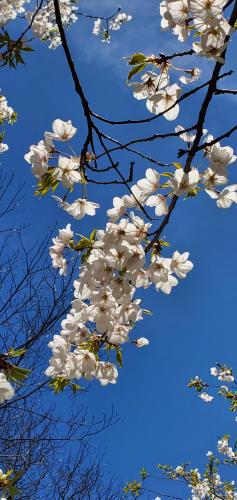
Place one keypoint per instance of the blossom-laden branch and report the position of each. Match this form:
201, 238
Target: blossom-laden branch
116, 261
163, 98
207, 485
226, 388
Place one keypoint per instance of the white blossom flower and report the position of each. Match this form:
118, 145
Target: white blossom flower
179, 469
209, 454
3, 147
194, 74
224, 448
150, 83
121, 18
162, 100
214, 371
207, 10
6, 390
226, 197
106, 373
62, 131
159, 202
201, 490
160, 274
220, 156
142, 341
180, 265
38, 157
56, 251
183, 182
212, 178
118, 210
97, 28
78, 208
186, 137
67, 171
206, 397
150, 183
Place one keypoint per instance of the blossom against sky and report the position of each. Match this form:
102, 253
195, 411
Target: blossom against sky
189, 330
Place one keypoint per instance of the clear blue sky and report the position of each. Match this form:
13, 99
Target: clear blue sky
160, 419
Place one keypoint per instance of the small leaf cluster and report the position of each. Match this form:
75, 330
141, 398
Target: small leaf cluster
12, 50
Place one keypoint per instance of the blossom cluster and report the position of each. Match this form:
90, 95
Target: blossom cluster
56, 250
211, 31
7, 115
204, 19
115, 260
224, 448
216, 174
160, 95
103, 27
9, 9
224, 374
44, 24
104, 309
67, 171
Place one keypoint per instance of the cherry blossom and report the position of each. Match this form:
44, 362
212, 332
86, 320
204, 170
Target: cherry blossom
159, 202
56, 251
162, 100
206, 397
67, 171
183, 182
78, 208
44, 24
9, 9
150, 83
142, 341
226, 197
6, 390
62, 131
117, 21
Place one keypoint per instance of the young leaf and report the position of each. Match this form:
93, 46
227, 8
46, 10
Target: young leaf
137, 58
136, 70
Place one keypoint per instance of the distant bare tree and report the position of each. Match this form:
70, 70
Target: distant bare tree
48, 449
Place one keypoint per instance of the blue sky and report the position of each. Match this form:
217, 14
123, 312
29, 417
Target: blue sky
160, 419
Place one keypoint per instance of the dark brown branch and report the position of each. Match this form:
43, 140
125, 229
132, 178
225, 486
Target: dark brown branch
182, 98
225, 91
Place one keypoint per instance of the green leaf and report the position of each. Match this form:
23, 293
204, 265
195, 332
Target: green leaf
27, 49
136, 70
92, 235
76, 388
147, 312
119, 358
83, 243
143, 473
14, 354
13, 491
167, 174
177, 165
17, 374
192, 193
122, 272
137, 58
59, 384
164, 243
85, 255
